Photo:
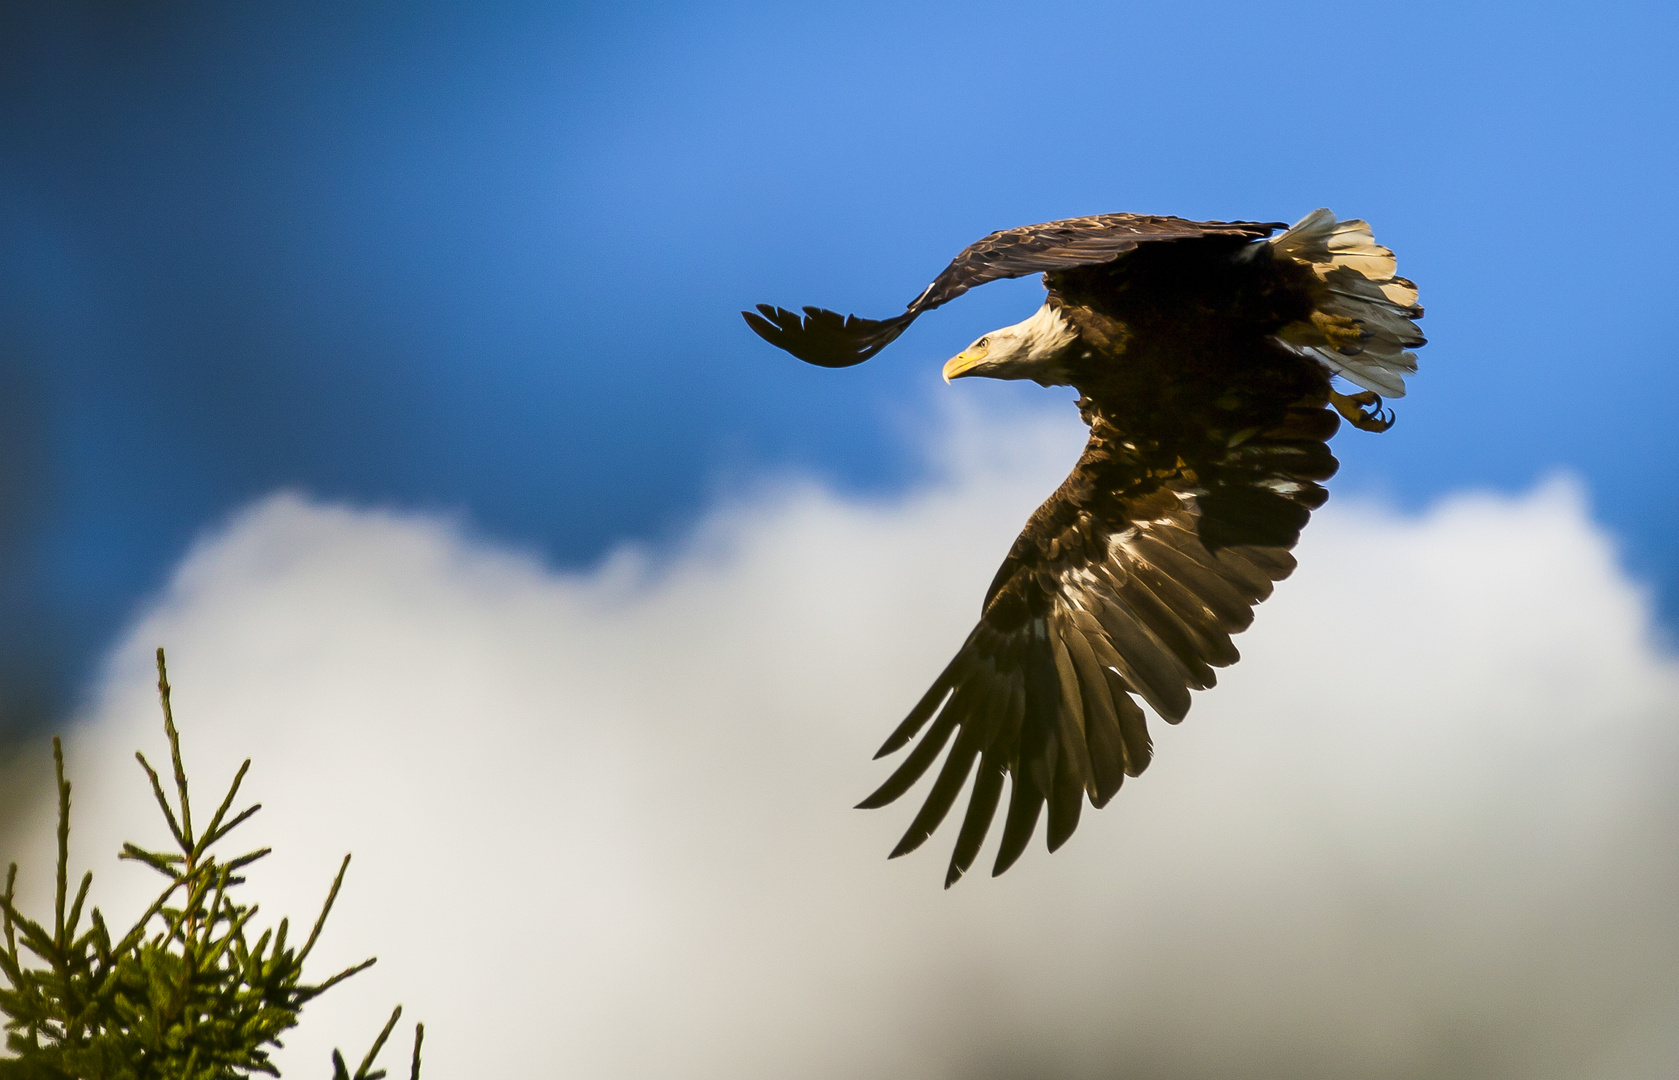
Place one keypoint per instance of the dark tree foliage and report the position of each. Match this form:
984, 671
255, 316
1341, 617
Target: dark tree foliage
185, 994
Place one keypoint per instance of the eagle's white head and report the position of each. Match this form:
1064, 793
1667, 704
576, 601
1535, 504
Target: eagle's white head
1027, 350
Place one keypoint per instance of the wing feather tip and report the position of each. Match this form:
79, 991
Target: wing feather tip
1001, 866
908, 843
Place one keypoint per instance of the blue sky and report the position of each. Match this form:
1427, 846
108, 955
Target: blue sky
487, 259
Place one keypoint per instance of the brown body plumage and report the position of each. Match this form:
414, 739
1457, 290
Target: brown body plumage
1204, 355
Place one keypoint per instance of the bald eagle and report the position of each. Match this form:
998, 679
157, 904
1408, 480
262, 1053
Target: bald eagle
1204, 354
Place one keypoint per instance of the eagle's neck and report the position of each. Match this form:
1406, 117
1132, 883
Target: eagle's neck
1041, 343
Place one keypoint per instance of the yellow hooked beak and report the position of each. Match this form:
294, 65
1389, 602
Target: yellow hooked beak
962, 363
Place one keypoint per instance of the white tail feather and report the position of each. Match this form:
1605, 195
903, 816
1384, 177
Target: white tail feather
1360, 295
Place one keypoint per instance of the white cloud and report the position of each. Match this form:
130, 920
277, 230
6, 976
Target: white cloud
601, 821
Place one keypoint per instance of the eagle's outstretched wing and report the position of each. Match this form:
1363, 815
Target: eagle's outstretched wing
1127, 583
828, 339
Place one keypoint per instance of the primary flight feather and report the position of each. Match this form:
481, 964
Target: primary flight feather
1203, 352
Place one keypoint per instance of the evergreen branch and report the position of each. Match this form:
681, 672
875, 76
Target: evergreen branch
245, 860
280, 937
63, 839
326, 909
11, 891
354, 969
253, 955
212, 834
237, 928
76, 908
138, 931
378, 1044
175, 752
160, 861
238, 819
162, 801
216, 904
35, 936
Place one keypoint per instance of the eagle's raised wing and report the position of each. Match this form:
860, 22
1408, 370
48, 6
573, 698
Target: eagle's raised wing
828, 339
1127, 583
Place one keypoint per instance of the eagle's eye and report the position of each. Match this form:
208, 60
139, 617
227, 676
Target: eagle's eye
982, 343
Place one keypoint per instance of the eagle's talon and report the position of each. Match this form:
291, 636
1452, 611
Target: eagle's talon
1353, 407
